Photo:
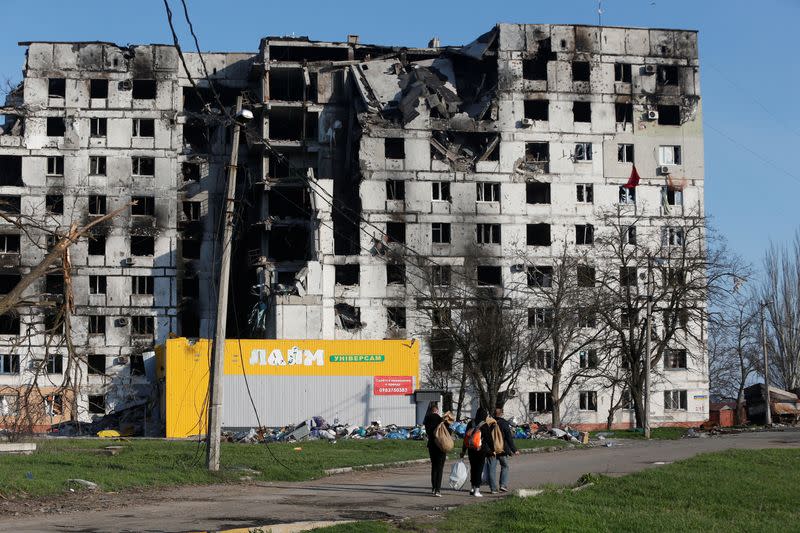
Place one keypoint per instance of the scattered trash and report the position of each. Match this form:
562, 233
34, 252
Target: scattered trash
458, 475
29, 475
298, 449
83, 483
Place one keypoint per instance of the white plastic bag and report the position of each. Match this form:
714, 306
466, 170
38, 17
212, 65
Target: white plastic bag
458, 475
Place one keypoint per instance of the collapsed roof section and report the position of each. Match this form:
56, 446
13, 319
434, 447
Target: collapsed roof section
459, 84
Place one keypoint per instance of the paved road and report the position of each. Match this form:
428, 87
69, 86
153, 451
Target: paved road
392, 493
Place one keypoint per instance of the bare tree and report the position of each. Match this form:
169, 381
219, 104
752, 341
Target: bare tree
780, 291
671, 266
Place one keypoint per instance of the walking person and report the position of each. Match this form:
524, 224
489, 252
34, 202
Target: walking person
438, 456
477, 453
509, 450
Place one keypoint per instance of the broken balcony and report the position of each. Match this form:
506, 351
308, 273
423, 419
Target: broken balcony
291, 166
288, 204
463, 150
291, 243
292, 85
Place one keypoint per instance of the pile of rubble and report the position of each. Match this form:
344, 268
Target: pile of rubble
317, 428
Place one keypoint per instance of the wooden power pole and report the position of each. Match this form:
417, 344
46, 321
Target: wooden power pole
218, 353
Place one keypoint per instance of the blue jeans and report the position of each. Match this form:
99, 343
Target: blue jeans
491, 462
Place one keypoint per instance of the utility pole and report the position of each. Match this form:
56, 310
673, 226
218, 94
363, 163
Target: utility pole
768, 415
647, 352
218, 354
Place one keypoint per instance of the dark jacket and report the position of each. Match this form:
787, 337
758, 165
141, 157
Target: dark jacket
431, 422
508, 436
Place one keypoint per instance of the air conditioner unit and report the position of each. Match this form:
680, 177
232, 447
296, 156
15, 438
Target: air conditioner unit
649, 69
121, 360
128, 261
527, 122
511, 393
121, 322
663, 170
652, 115
125, 85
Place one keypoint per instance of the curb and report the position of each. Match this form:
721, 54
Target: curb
413, 462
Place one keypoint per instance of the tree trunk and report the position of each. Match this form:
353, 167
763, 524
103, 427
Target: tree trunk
461, 389
555, 399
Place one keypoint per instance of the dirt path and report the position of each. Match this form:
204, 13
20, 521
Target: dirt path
391, 493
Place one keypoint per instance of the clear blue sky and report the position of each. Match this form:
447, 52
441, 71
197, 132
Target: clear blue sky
750, 72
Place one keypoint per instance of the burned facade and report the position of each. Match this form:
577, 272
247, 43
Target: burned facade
366, 168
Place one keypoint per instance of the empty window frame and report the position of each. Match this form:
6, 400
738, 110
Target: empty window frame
540, 402
395, 190
97, 245
623, 112
441, 275
488, 192
57, 88
588, 400
490, 276
97, 165
440, 233
55, 165
190, 171
55, 364
8, 282
347, 275
584, 234
143, 206
673, 236
629, 235
537, 109
625, 153
9, 363
11, 170
622, 72
395, 147
488, 233
142, 245
537, 155
540, 276
537, 193
97, 325
54, 204
144, 89
97, 284
396, 317
143, 127
97, 204
540, 317
587, 317
9, 243
675, 358
142, 325
581, 71
98, 89
56, 126
535, 68
581, 111
675, 400
192, 211
538, 235
587, 358
667, 75
142, 285
98, 127
9, 324
672, 196
442, 351
541, 359
583, 152
191, 248
584, 193
54, 405
97, 404
440, 191
396, 274
669, 115
628, 276
628, 318
627, 195
396, 231
669, 155
143, 166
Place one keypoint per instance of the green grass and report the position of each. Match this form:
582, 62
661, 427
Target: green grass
158, 463
736, 490
655, 433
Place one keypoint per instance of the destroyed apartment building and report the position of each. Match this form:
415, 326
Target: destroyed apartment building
361, 161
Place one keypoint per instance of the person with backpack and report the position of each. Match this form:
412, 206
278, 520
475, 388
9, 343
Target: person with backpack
509, 449
478, 445
438, 432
